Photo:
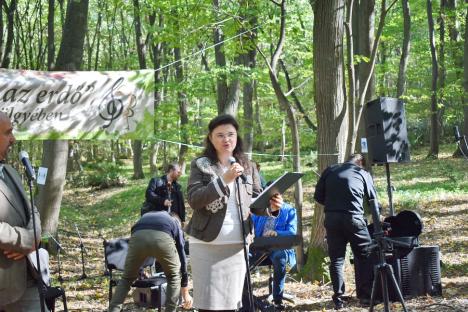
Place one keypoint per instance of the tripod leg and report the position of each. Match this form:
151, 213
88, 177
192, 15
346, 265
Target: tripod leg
395, 286
64, 299
383, 280
374, 287
60, 278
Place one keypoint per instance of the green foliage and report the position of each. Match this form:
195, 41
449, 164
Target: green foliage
316, 267
106, 175
422, 180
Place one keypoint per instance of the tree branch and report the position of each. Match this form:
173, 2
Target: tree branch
292, 90
279, 46
295, 98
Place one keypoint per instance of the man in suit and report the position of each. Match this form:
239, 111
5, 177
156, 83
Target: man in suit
18, 289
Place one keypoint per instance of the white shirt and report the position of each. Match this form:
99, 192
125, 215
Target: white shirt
231, 230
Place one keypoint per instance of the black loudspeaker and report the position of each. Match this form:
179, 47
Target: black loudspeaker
387, 136
419, 274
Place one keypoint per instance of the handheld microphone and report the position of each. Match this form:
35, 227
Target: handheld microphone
24, 158
232, 160
456, 134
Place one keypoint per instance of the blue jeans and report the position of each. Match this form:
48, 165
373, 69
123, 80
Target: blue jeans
279, 259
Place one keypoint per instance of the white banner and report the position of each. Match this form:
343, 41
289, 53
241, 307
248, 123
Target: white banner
78, 105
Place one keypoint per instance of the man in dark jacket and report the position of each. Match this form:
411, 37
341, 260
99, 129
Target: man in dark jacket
165, 194
342, 189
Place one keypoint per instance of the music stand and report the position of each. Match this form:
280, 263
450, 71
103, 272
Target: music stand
383, 270
59, 249
83, 275
263, 246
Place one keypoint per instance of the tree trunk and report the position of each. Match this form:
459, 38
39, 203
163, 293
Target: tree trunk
220, 59
364, 95
351, 100
365, 16
183, 108
292, 120
55, 153
260, 143
401, 83
70, 55
442, 66
2, 26
10, 11
137, 160
50, 35
330, 110
154, 149
283, 140
227, 93
434, 136
363, 42
141, 50
465, 77
249, 62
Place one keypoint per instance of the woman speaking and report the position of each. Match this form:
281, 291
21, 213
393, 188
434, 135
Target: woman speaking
215, 230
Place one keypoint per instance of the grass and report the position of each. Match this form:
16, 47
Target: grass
436, 189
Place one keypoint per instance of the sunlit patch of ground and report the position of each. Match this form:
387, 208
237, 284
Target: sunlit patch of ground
445, 224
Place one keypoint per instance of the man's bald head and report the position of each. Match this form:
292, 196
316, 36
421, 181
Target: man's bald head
7, 138
3, 117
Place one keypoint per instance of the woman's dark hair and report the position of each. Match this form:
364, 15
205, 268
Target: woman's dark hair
210, 150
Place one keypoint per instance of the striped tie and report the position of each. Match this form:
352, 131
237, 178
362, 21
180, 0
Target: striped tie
2, 176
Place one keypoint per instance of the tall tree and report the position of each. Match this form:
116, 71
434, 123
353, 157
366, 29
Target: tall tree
401, 83
51, 35
364, 32
157, 50
442, 20
366, 83
330, 109
227, 93
182, 99
465, 75
11, 12
292, 120
55, 153
141, 50
434, 137
249, 56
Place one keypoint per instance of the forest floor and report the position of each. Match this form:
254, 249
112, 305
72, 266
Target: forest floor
445, 225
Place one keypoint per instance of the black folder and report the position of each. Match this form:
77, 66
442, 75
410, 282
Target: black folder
280, 185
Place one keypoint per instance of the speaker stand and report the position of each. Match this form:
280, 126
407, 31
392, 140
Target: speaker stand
389, 189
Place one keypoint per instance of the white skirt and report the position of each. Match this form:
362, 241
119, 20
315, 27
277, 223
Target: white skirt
218, 273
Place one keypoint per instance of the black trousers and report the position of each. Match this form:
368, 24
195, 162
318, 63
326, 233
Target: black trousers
342, 229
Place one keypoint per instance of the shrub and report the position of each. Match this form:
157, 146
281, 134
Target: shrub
106, 175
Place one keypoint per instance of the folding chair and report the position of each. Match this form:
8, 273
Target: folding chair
115, 252
51, 293
262, 248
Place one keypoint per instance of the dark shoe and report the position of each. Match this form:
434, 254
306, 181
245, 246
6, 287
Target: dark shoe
339, 305
365, 302
279, 306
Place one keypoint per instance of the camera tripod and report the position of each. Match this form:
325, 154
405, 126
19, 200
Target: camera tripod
383, 270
